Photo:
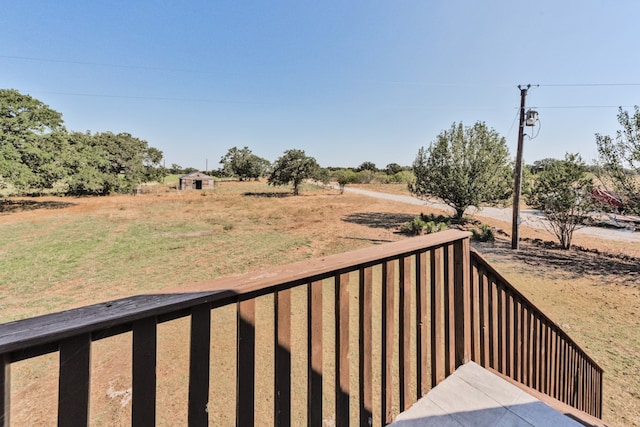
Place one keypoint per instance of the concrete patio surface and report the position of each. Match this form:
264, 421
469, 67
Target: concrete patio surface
473, 396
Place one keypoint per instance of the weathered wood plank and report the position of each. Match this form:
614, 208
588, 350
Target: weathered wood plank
199, 360
282, 342
52, 328
143, 410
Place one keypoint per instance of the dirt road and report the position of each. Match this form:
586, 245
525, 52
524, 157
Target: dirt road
529, 218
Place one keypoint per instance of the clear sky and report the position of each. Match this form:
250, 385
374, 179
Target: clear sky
346, 81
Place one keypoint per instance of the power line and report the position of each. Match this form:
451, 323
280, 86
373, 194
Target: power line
583, 106
587, 84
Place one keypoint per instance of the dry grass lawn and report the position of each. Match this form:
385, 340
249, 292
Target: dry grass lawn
59, 253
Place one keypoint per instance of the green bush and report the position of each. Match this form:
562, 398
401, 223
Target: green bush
418, 226
485, 234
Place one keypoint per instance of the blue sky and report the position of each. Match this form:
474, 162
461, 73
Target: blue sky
346, 81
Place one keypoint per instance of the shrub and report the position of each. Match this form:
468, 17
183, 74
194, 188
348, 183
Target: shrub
484, 235
418, 226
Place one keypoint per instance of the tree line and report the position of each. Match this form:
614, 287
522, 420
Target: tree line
38, 153
464, 166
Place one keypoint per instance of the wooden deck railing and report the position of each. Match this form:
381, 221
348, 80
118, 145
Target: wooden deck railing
512, 336
394, 320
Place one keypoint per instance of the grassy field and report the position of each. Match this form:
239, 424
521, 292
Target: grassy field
58, 253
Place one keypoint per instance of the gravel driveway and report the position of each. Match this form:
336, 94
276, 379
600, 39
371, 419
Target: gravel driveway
529, 218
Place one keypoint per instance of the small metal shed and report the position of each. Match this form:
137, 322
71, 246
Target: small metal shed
196, 181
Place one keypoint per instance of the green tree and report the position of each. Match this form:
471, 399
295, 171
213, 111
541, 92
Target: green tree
392, 169
562, 192
619, 159
243, 164
105, 162
464, 166
32, 141
293, 167
88, 166
367, 166
344, 177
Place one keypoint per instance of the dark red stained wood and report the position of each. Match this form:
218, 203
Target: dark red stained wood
509, 334
314, 314
437, 316
422, 320
475, 315
143, 412
342, 350
517, 341
246, 362
365, 350
404, 353
5, 390
462, 303
199, 360
282, 384
449, 312
494, 322
502, 331
485, 339
74, 381
388, 326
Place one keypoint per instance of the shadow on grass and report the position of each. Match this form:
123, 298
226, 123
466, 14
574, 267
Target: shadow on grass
374, 241
577, 262
267, 194
386, 220
12, 206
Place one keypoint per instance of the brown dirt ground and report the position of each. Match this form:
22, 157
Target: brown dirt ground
593, 291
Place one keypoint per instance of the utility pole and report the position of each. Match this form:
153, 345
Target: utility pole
515, 241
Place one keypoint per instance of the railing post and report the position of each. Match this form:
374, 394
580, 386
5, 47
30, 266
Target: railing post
199, 362
143, 412
5, 390
462, 303
245, 362
74, 381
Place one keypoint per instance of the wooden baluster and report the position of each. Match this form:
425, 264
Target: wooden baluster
245, 362
282, 392
342, 350
74, 381
314, 351
437, 316
5, 390
143, 411
199, 362
365, 346
388, 328
422, 346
